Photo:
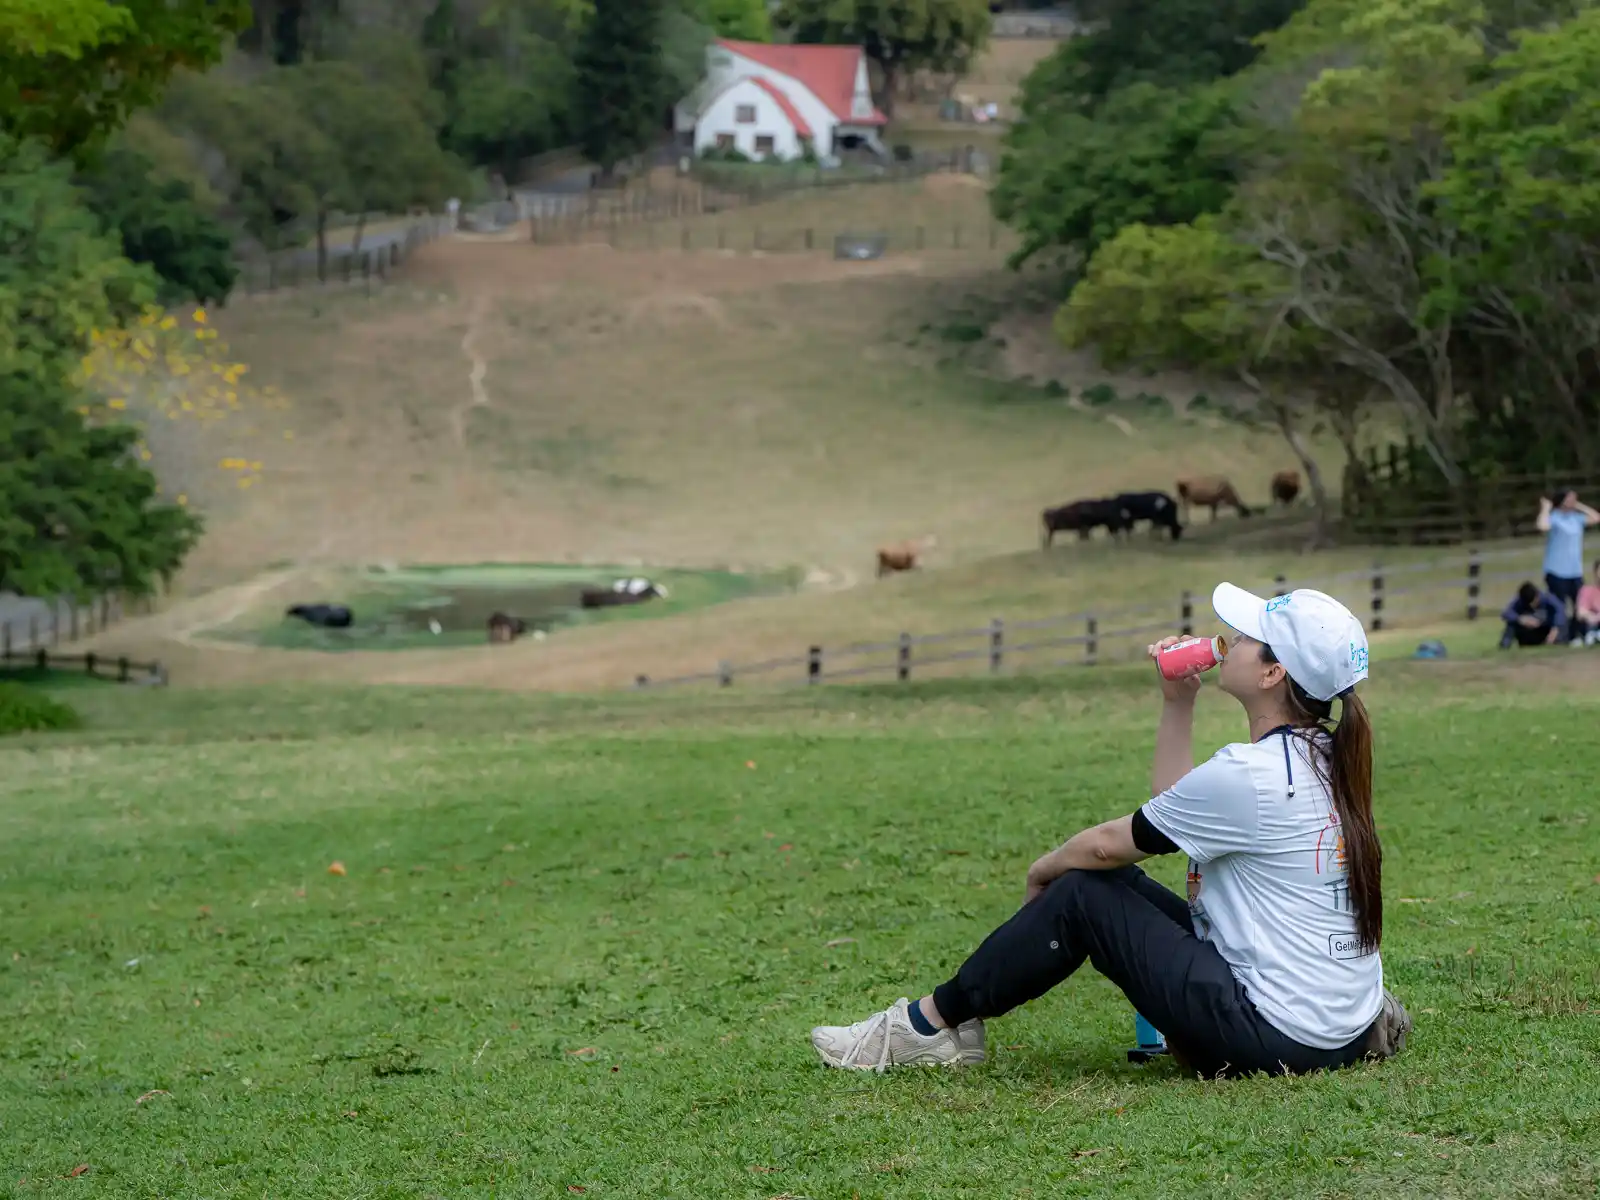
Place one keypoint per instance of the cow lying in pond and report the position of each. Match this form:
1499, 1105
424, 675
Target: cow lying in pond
1160, 509
328, 616
505, 628
1083, 516
623, 591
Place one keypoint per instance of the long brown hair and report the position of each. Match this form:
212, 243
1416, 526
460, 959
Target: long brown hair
1346, 769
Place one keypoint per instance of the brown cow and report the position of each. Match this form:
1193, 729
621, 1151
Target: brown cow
1209, 491
504, 628
903, 556
1285, 487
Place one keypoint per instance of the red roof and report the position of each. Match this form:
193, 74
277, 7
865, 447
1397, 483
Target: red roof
829, 71
801, 126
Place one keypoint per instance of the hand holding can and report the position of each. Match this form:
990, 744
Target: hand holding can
1181, 658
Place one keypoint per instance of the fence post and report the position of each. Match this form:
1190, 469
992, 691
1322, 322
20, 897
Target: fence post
811, 241
997, 638
813, 664
1280, 585
1474, 573
725, 673
903, 660
105, 612
88, 663
1377, 596
42, 659
1091, 645
1186, 615
122, 670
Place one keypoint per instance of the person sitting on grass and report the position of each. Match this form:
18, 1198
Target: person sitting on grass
1588, 626
1533, 618
1273, 963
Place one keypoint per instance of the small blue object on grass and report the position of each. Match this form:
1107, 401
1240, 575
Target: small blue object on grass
1430, 649
1150, 1042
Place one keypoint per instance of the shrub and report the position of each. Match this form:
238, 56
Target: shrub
24, 710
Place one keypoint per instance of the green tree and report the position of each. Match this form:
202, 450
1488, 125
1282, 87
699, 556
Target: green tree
1139, 120
1152, 155
1195, 297
621, 91
78, 512
743, 20
72, 70
899, 36
1524, 156
160, 222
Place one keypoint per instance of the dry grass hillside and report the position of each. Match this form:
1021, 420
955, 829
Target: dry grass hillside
506, 402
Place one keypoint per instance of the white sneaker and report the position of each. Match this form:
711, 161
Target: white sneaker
886, 1039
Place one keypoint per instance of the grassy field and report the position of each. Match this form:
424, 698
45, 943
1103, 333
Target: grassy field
577, 945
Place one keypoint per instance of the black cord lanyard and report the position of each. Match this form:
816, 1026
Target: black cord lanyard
1288, 767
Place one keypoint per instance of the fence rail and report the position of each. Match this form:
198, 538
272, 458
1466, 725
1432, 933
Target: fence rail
756, 238
1427, 592
30, 639
368, 265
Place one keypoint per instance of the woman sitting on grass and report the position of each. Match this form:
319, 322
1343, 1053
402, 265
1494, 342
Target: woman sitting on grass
1272, 964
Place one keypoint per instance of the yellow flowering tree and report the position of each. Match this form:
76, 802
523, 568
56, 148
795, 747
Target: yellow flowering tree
203, 425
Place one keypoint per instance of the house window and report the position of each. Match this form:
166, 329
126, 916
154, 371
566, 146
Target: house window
764, 144
724, 141
745, 114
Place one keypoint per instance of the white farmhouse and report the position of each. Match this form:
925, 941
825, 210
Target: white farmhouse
770, 101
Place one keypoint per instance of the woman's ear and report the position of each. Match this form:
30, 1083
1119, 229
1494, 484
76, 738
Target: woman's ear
1272, 674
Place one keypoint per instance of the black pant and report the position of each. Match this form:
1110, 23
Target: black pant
1521, 635
1141, 937
1565, 588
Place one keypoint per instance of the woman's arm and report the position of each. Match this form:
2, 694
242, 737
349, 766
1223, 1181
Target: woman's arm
1174, 744
1543, 523
1590, 517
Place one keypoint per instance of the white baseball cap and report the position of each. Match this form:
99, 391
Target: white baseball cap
1319, 641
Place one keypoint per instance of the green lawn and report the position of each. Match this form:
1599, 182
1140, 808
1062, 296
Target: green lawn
580, 944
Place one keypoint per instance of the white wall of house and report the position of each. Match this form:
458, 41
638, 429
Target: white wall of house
722, 117
861, 102
723, 65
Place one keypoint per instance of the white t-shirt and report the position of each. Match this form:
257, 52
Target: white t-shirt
1269, 889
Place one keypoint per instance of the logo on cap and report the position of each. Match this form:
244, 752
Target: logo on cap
1278, 602
1358, 657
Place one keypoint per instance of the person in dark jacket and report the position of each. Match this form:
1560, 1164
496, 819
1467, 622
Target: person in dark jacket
1533, 618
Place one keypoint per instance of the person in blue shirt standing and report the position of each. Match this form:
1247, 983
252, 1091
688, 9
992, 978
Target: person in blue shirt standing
1563, 524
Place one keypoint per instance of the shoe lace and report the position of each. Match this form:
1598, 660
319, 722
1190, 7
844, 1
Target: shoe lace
862, 1032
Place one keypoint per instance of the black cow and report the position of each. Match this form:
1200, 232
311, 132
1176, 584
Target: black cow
622, 592
1160, 509
505, 628
328, 616
1083, 516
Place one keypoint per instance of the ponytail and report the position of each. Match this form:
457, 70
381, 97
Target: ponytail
1350, 781
1346, 769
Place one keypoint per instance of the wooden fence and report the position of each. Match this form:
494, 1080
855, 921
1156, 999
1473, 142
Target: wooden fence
1399, 497
1387, 597
29, 641
759, 238
118, 670
597, 214
372, 264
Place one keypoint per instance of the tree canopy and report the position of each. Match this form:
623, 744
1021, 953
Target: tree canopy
898, 36
1406, 214
72, 70
622, 88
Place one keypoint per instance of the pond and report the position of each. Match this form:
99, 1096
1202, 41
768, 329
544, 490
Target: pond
421, 607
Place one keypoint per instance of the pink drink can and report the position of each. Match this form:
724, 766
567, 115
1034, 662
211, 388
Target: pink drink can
1190, 657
